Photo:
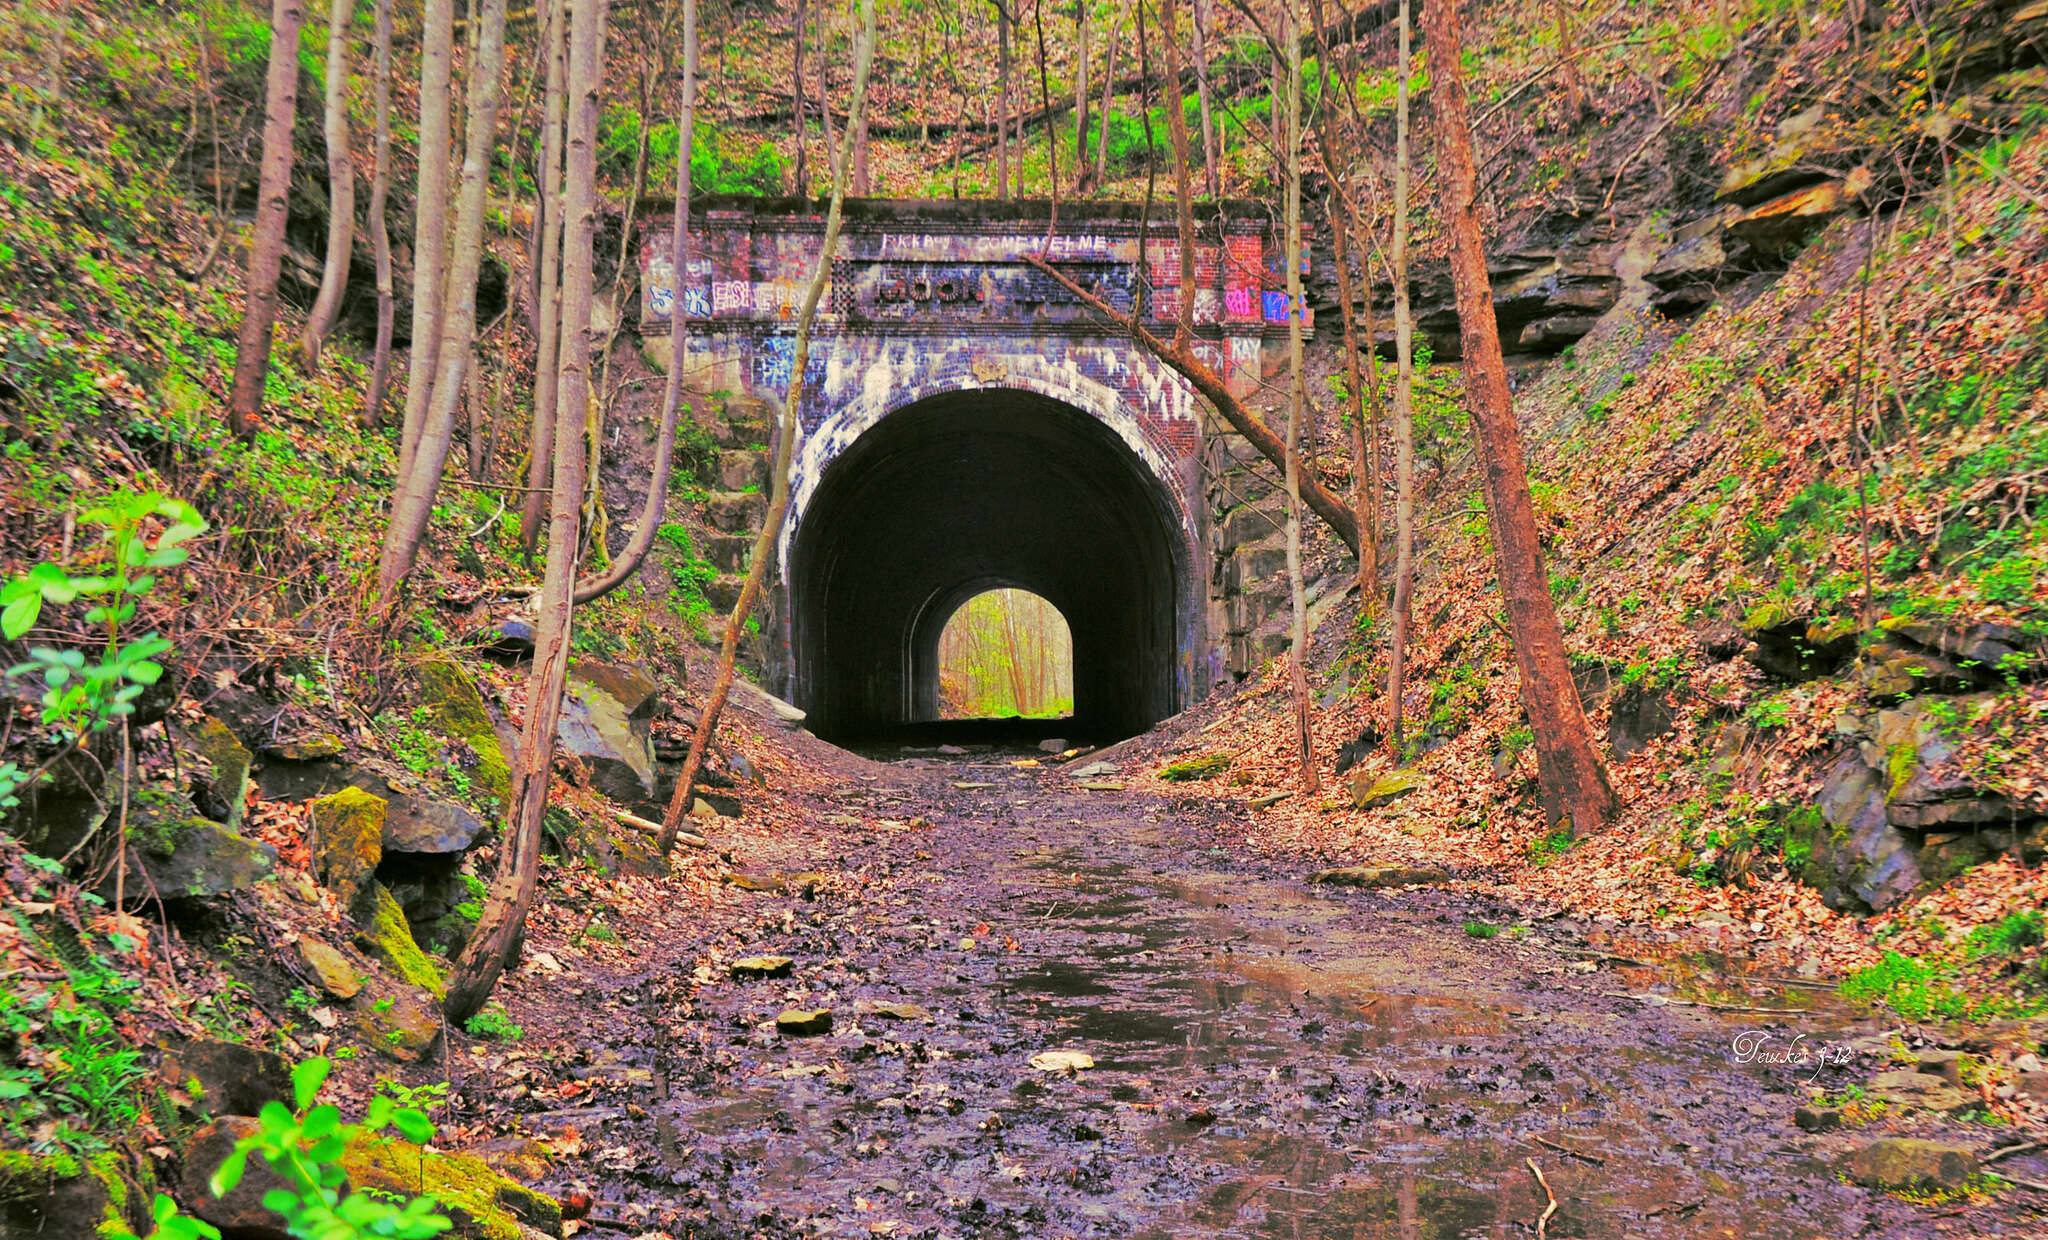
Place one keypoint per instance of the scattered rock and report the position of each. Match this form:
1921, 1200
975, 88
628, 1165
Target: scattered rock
194, 858
1372, 791
1818, 1119
804, 1022
631, 685
241, 1213
1857, 860
1093, 770
387, 937
894, 1011
1062, 1061
218, 769
333, 972
762, 966
1639, 714
1053, 744
316, 747
47, 1196
348, 841
1917, 1090
1905, 1162
401, 1021
1101, 785
614, 747
510, 640
233, 1079
1792, 647
1374, 876
418, 824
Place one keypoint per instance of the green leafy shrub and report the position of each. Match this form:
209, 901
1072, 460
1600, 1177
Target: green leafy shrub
305, 1146
495, 1023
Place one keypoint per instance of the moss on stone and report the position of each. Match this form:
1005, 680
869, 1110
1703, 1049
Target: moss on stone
348, 841
483, 1204
29, 1178
386, 936
457, 710
1900, 764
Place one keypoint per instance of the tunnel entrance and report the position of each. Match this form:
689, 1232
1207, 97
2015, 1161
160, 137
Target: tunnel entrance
969, 491
1006, 653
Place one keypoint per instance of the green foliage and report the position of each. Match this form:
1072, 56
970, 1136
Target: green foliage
495, 1023
1547, 848
68, 1078
1196, 768
1917, 990
2016, 933
1481, 929
83, 695
720, 162
691, 573
304, 1147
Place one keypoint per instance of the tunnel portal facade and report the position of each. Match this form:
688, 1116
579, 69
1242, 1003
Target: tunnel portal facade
967, 422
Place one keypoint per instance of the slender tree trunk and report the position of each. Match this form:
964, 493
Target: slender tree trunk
1568, 61
1183, 192
1080, 96
1116, 31
825, 145
414, 504
1574, 782
341, 192
1209, 154
511, 894
548, 339
636, 550
785, 445
266, 245
1404, 389
1002, 100
430, 221
796, 68
1296, 397
1363, 498
380, 227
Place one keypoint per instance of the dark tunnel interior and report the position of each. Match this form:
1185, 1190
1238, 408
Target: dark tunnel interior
966, 492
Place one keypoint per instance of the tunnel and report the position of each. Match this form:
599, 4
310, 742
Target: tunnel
969, 491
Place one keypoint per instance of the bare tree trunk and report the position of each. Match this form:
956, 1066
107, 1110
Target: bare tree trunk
1296, 396
380, 227
825, 87
512, 890
1080, 96
651, 512
548, 337
413, 506
341, 191
1002, 100
785, 444
266, 245
1568, 60
1574, 782
1209, 154
1108, 93
1364, 498
1404, 388
430, 220
796, 68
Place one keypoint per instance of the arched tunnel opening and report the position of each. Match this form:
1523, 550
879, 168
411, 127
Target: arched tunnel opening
969, 491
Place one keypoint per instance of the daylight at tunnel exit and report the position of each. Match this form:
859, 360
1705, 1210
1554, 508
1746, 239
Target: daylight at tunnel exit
1023, 620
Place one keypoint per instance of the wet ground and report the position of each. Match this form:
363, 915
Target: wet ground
1270, 1059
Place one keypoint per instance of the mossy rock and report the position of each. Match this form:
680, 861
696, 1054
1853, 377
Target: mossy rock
398, 1021
1207, 765
192, 858
457, 710
483, 1204
1768, 615
348, 841
386, 935
1371, 792
62, 1195
221, 780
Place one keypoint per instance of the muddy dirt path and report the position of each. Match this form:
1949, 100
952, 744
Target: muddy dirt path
1270, 1059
